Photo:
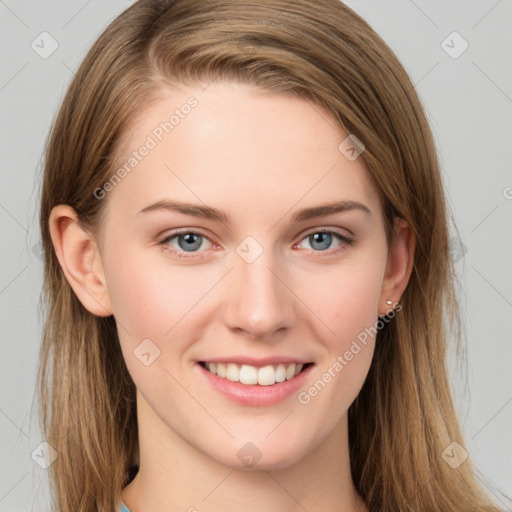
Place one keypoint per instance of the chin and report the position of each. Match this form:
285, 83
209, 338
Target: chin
263, 456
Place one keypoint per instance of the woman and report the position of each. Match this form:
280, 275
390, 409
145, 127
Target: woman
247, 271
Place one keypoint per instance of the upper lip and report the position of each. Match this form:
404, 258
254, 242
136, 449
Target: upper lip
258, 362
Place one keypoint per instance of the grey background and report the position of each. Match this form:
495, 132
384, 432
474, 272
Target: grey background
468, 101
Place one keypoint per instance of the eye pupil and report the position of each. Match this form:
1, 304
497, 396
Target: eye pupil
193, 241
324, 239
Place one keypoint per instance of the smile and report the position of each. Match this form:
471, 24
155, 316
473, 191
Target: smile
250, 375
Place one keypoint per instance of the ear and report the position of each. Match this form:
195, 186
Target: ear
399, 265
80, 260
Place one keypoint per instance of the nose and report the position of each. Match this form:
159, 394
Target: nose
259, 301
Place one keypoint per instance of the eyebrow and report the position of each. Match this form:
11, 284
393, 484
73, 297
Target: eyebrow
209, 212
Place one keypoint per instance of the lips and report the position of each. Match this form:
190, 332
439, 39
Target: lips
255, 395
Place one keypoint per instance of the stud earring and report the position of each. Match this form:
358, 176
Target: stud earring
385, 316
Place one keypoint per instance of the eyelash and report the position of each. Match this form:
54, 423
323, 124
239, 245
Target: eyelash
346, 240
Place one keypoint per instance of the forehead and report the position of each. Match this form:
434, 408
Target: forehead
230, 144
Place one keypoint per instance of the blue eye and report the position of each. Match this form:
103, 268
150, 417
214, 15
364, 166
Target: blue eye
322, 240
189, 243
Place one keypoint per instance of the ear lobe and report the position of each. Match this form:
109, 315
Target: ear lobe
80, 260
399, 265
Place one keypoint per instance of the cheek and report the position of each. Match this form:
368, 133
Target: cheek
157, 299
350, 312
148, 297
346, 300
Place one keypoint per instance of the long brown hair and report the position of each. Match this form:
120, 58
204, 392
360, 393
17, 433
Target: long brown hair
403, 418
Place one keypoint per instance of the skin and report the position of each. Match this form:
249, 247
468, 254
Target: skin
261, 157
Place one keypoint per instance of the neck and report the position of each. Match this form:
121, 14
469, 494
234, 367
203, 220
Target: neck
173, 475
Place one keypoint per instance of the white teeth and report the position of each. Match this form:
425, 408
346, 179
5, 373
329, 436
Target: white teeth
232, 372
221, 370
281, 373
266, 376
250, 375
290, 372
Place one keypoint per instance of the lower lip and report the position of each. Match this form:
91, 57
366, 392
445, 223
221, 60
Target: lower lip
255, 395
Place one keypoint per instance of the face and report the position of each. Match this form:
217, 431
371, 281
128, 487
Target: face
226, 272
